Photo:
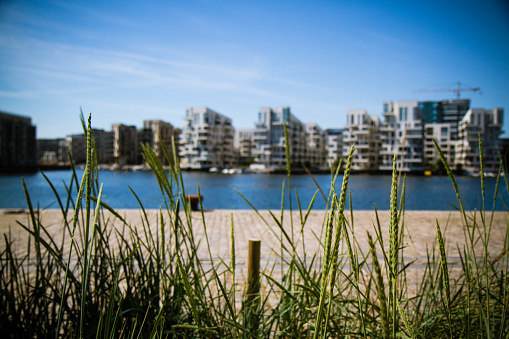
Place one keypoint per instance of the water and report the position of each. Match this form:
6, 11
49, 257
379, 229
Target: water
262, 190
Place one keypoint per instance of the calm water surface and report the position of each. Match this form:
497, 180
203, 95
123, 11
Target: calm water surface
262, 190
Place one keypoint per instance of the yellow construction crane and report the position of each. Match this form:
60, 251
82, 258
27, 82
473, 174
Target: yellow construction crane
457, 90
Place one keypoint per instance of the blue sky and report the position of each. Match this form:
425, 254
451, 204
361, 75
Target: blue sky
127, 61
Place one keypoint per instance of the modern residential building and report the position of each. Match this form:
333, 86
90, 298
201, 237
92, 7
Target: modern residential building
125, 144
269, 138
442, 134
17, 141
316, 147
402, 134
362, 131
334, 146
487, 124
244, 145
445, 111
156, 131
441, 119
206, 140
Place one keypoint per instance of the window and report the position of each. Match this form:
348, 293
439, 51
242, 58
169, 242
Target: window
386, 108
406, 113
400, 113
286, 114
275, 117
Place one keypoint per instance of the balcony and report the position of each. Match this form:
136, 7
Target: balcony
362, 132
413, 136
387, 129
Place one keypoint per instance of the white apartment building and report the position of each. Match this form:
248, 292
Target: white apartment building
316, 151
442, 133
206, 140
441, 119
402, 134
244, 144
487, 123
334, 146
362, 131
269, 138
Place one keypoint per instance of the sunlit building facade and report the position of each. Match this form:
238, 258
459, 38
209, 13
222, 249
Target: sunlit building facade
362, 131
316, 147
269, 138
487, 124
206, 140
403, 135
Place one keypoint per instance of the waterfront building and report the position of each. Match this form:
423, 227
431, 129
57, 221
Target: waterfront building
487, 124
76, 145
269, 139
445, 111
156, 131
441, 120
17, 141
334, 146
103, 146
388, 138
362, 131
125, 144
206, 140
316, 147
402, 134
442, 134
47, 150
244, 145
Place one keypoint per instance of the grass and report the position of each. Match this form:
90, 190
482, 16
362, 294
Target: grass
141, 281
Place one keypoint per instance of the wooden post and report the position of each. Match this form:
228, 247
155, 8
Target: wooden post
253, 267
253, 286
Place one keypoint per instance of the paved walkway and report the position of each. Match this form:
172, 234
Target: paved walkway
420, 230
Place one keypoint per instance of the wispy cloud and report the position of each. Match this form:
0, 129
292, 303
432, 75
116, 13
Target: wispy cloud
64, 68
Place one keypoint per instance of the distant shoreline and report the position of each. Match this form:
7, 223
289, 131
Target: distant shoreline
136, 168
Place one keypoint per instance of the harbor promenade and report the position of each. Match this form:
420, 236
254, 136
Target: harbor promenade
419, 228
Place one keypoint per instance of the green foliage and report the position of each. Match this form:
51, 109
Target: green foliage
148, 282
